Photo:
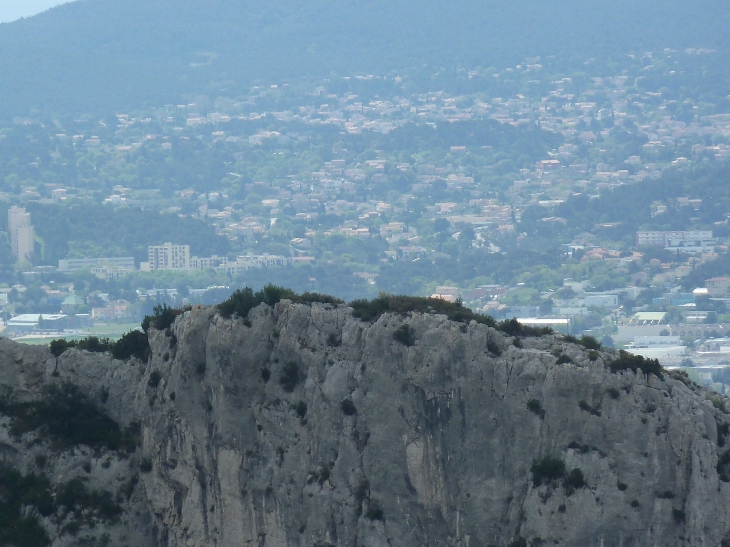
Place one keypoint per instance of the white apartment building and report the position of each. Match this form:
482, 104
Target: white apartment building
22, 237
198, 263
691, 241
169, 257
177, 257
601, 300
110, 272
75, 264
248, 262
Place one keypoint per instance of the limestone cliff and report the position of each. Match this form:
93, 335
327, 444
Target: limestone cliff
304, 426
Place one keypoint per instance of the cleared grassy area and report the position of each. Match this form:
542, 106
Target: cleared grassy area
112, 331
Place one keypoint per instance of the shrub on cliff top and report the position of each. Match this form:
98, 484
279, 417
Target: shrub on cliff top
371, 310
132, 344
627, 361
244, 300
588, 342
92, 343
163, 317
512, 327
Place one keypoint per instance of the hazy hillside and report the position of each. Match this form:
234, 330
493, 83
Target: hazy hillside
101, 55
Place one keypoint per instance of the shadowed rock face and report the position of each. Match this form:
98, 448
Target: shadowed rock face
251, 443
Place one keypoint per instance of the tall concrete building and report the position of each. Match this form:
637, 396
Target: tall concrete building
169, 257
22, 238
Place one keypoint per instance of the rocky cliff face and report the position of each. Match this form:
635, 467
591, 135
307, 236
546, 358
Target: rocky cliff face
304, 426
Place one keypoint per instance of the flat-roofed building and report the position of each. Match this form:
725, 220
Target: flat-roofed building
30, 322
648, 318
718, 287
601, 300
169, 257
22, 236
690, 241
75, 264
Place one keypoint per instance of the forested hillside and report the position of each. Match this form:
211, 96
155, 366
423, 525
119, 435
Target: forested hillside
102, 55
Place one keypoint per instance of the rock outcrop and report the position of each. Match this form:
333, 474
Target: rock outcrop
304, 426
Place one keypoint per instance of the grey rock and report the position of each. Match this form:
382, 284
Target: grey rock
438, 449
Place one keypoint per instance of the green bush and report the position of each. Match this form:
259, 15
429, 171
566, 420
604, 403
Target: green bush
316, 298
375, 512
549, 470
155, 379
240, 303
289, 378
371, 310
573, 481
322, 474
19, 527
58, 347
512, 327
563, 359
348, 407
133, 344
627, 361
71, 528
68, 418
582, 448
301, 409
127, 489
16, 493
493, 348
589, 342
534, 406
162, 318
585, 407
30, 489
75, 496
92, 343
546, 470
244, 300
723, 430
723, 467
405, 335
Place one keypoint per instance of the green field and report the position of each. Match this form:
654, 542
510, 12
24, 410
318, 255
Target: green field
114, 332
